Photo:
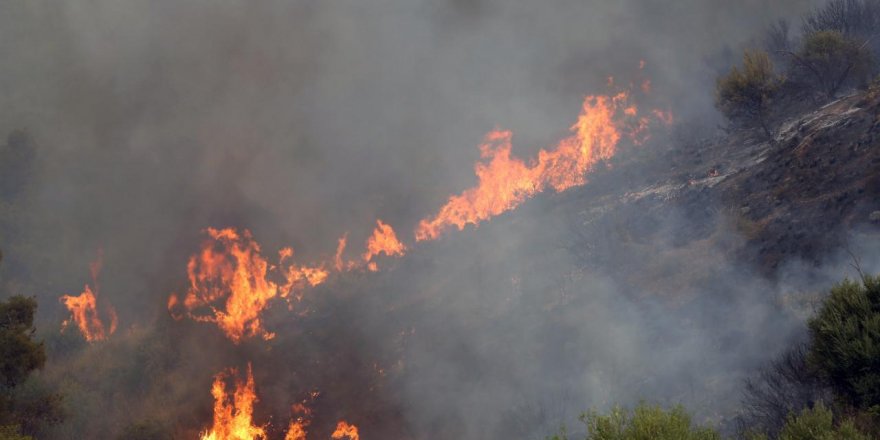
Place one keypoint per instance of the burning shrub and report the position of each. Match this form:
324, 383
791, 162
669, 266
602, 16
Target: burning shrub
745, 96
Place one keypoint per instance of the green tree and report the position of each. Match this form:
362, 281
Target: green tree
12, 432
828, 61
745, 95
845, 341
19, 353
817, 423
645, 422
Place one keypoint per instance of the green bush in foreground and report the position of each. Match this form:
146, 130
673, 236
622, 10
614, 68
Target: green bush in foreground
645, 422
816, 423
845, 341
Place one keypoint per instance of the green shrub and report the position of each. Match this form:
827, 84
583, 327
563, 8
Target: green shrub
745, 96
828, 61
845, 341
645, 422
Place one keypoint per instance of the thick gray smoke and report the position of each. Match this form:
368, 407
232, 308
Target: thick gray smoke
303, 120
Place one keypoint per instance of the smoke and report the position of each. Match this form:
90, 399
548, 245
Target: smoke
304, 120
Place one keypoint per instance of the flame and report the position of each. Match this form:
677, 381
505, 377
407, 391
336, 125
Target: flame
84, 309
504, 182
233, 414
383, 241
345, 429
296, 431
230, 268
230, 281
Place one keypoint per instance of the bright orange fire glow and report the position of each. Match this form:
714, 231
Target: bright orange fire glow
233, 414
296, 431
231, 283
84, 310
504, 182
383, 241
345, 429
230, 269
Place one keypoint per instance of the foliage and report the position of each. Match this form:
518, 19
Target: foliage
845, 338
745, 95
645, 422
12, 432
786, 385
858, 19
19, 353
828, 61
817, 423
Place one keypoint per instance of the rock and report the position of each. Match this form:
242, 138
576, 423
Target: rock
874, 217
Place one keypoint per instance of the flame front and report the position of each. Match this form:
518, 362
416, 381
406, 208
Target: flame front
345, 429
233, 414
504, 181
231, 268
84, 309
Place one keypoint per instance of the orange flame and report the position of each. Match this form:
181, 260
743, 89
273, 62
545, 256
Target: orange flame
233, 415
345, 429
296, 431
84, 309
230, 267
504, 182
383, 241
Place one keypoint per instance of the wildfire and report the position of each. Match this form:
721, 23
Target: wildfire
383, 241
233, 414
345, 429
231, 269
504, 182
84, 310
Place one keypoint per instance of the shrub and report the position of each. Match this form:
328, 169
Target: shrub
745, 95
786, 385
829, 61
845, 341
645, 422
858, 19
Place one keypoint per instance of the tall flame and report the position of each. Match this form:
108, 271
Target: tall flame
345, 429
233, 414
383, 241
84, 309
231, 269
504, 181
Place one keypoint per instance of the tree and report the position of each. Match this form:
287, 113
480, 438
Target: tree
12, 432
645, 422
745, 96
845, 341
19, 353
786, 385
817, 423
857, 19
828, 61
